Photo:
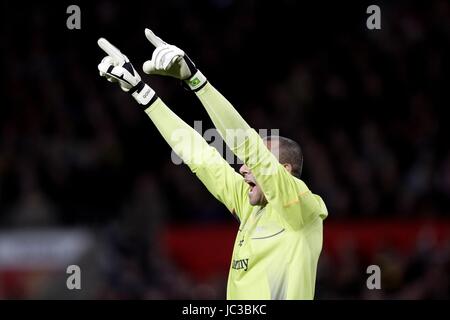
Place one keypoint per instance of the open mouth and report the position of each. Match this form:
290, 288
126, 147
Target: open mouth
252, 186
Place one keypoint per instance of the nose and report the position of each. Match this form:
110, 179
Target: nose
243, 170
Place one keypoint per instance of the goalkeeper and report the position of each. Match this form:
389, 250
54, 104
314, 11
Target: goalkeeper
279, 241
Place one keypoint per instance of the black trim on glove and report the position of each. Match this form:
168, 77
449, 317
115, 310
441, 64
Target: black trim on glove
151, 101
190, 64
137, 87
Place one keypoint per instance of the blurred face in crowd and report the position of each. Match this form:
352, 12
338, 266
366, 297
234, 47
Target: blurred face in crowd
255, 195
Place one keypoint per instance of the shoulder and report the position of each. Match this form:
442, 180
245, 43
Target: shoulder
309, 199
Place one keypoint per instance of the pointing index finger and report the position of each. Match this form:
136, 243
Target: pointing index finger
112, 51
153, 38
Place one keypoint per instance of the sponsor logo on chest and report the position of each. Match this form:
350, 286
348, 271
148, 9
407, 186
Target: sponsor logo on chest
240, 264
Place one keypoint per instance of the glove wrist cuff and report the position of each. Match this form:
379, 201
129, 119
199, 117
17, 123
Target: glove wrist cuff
196, 81
143, 94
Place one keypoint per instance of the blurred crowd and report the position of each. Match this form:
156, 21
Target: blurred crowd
368, 108
421, 273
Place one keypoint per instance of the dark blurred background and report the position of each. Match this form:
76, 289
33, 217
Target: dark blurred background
86, 179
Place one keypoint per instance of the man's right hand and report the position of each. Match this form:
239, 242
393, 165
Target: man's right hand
116, 67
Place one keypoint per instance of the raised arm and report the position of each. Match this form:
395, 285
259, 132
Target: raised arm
281, 189
205, 161
295, 202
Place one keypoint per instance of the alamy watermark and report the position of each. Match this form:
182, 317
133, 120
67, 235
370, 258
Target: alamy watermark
74, 19
74, 280
374, 280
373, 22
209, 147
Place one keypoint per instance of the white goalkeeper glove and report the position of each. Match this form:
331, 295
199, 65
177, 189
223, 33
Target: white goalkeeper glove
169, 60
116, 67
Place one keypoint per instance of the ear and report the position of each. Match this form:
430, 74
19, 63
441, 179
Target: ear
288, 167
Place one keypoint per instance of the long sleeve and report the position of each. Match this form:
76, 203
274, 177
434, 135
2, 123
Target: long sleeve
280, 188
203, 160
230, 124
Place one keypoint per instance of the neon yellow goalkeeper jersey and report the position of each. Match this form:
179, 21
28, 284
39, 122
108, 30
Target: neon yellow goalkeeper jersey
277, 247
273, 260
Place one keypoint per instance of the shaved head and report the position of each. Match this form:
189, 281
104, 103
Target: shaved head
289, 152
